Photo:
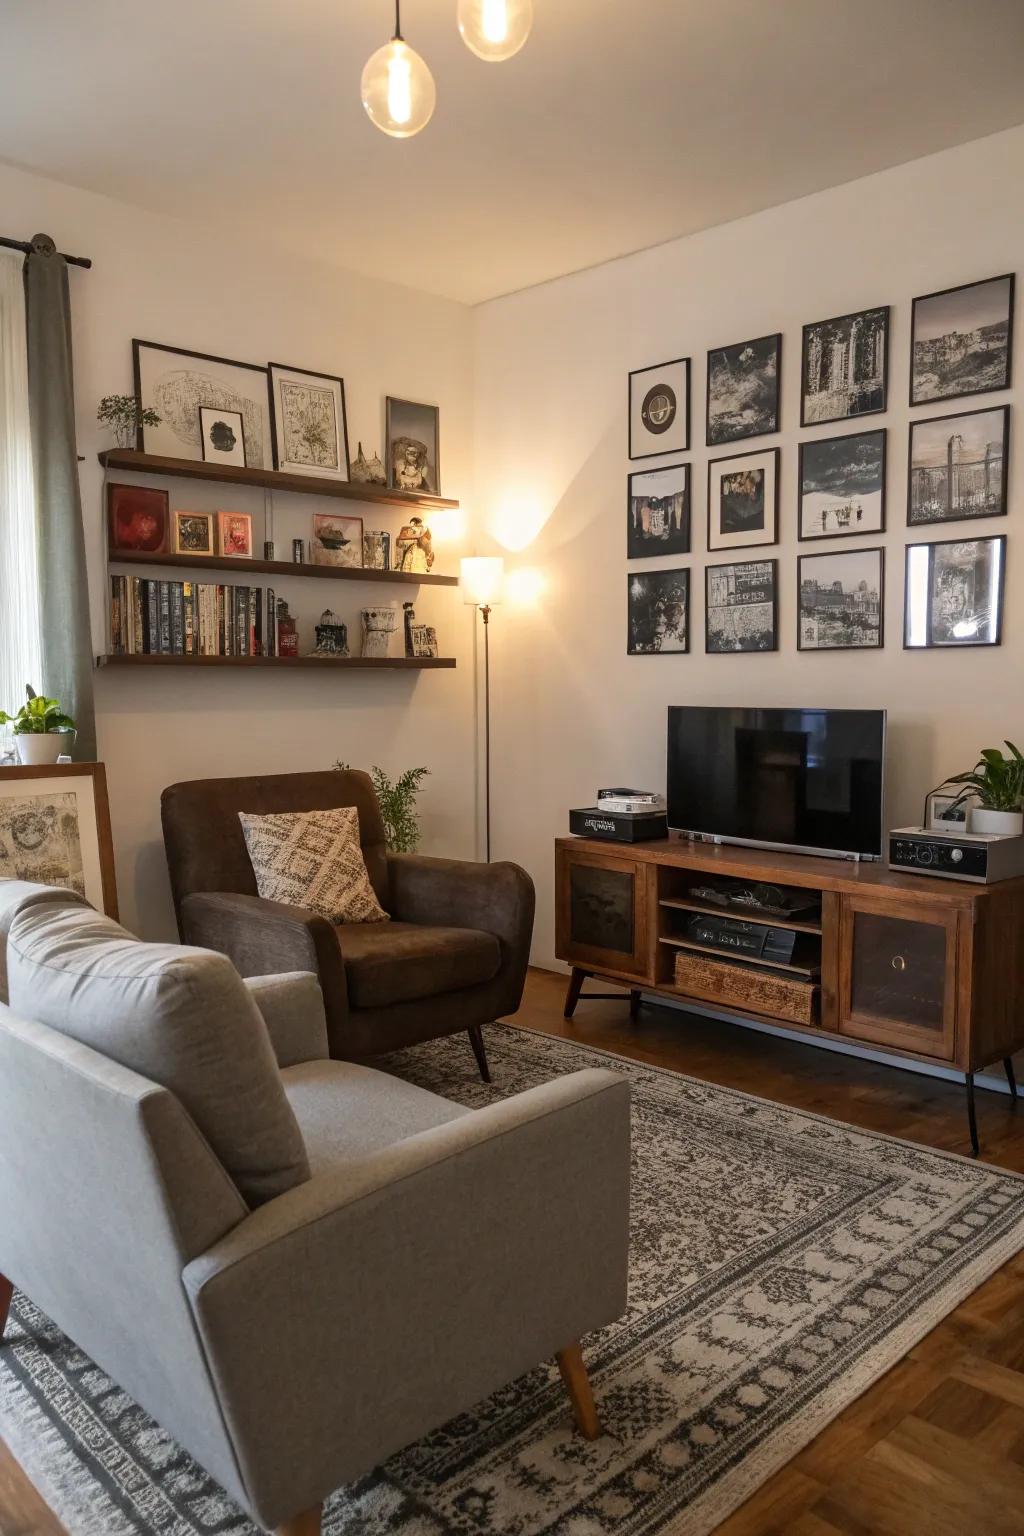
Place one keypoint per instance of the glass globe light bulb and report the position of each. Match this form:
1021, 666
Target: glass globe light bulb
398, 90
495, 29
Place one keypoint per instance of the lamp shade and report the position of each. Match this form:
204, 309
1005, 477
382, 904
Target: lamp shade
482, 577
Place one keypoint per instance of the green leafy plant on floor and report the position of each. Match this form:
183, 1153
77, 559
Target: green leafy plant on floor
398, 805
124, 415
997, 781
38, 716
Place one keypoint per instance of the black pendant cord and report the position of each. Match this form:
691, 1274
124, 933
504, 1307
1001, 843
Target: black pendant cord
485, 610
28, 246
398, 20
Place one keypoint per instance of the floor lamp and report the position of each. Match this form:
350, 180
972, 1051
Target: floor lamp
482, 577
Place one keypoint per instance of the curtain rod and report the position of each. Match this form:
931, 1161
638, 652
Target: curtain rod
28, 246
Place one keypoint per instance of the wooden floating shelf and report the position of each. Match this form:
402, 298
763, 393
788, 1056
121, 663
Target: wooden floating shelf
325, 663
278, 568
269, 479
743, 914
811, 972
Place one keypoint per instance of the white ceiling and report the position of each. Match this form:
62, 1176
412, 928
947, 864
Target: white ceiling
621, 124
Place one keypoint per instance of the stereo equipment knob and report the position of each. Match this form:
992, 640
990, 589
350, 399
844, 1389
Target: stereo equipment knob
899, 963
925, 855
956, 855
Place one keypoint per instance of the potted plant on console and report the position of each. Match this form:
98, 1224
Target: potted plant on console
42, 730
997, 783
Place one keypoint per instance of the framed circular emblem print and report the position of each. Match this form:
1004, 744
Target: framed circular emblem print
659, 409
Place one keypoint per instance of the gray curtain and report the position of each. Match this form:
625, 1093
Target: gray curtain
63, 578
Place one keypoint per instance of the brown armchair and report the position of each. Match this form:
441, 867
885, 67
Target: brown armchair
452, 958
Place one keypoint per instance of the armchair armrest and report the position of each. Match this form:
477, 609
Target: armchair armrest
391, 1295
292, 1006
496, 898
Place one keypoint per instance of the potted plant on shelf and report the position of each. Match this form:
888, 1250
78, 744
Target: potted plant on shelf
41, 728
125, 414
997, 783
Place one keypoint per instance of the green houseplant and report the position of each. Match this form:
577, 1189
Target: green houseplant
41, 727
997, 783
124, 415
398, 806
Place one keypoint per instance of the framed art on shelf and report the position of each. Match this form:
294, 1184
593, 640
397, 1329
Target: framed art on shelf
962, 341
842, 485
658, 512
55, 830
844, 367
223, 436
743, 390
658, 612
841, 601
659, 409
138, 519
743, 493
741, 607
337, 540
176, 383
953, 593
193, 533
413, 449
956, 467
234, 535
308, 422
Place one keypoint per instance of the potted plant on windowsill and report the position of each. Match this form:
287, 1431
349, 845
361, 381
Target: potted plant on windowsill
42, 730
997, 783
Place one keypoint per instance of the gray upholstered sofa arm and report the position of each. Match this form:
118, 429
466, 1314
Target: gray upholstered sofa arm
416, 1282
292, 1006
496, 898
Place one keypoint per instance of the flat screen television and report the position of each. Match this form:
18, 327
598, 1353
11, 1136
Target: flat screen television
803, 780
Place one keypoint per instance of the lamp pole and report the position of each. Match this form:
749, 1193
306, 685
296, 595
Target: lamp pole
485, 613
481, 580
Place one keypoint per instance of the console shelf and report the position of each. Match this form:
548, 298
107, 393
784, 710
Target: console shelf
735, 957
740, 914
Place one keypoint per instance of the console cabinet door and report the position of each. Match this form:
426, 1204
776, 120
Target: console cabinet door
898, 975
601, 916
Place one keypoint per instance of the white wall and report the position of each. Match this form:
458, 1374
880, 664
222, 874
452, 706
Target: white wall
571, 711
170, 282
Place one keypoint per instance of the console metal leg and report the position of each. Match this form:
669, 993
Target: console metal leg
634, 1003
972, 1119
575, 987
1011, 1078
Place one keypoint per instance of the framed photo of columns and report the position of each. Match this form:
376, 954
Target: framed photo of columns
956, 467
844, 367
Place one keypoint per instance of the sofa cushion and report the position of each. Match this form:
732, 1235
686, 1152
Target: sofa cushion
313, 859
347, 1111
15, 896
407, 961
181, 1017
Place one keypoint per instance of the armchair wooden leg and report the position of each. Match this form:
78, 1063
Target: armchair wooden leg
577, 1384
306, 1524
6, 1292
476, 1040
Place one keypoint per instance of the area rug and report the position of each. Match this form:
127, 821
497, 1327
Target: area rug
781, 1262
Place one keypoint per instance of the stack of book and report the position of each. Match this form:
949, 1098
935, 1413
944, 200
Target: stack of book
622, 816
190, 618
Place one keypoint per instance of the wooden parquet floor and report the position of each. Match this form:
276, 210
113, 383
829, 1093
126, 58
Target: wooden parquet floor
936, 1447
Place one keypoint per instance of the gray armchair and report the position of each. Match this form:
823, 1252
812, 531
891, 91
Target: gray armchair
385, 1249
452, 958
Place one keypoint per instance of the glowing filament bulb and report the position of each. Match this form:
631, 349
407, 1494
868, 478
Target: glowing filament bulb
494, 21
495, 29
399, 85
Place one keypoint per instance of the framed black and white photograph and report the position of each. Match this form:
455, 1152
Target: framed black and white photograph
658, 512
223, 436
658, 612
743, 496
844, 367
957, 467
841, 601
962, 341
741, 607
413, 447
308, 422
947, 811
842, 485
954, 593
176, 384
743, 390
659, 409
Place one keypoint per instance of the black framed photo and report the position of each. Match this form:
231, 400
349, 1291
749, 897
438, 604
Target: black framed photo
741, 607
223, 435
743, 390
842, 485
962, 341
658, 612
844, 367
658, 512
841, 601
659, 409
413, 448
956, 467
176, 383
953, 594
308, 422
743, 500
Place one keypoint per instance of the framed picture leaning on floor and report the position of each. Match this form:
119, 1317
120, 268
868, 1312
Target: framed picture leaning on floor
55, 830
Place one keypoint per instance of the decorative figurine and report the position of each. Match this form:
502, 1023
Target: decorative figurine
298, 551
376, 550
331, 636
414, 547
366, 471
379, 624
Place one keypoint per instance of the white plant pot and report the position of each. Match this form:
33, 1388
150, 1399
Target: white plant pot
42, 747
995, 823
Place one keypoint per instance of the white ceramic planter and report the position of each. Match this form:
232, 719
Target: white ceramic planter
44, 747
995, 823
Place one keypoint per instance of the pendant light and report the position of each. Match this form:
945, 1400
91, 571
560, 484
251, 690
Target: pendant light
397, 87
495, 29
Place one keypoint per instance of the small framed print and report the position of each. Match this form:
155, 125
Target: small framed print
844, 367
413, 446
193, 533
841, 601
65, 810
962, 341
223, 436
743, 495
659, 409
138, 519
741, 607
337, 540
947, 812
743, 390
423, 640
956, 467
658, 612
842, 485
308, 422
234, 535
953, 595
658, 512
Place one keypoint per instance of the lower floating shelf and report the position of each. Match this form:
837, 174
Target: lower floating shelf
325, 663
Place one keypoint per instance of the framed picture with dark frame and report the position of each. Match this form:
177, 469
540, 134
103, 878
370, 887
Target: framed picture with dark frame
743, 390
308, 423
741, 607
175, 383
844, 367
953, 593
961, 341
413, 448
223, 434
658, 605
658, 512
842, 486
659, 409
743, 500
956, 466
841, 600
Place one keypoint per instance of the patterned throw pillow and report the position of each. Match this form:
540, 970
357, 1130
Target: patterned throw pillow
313, 859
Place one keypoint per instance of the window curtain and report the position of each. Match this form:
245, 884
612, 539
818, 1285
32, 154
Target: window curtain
20, 660
63, 578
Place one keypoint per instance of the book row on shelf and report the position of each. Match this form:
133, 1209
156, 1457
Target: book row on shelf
195, 618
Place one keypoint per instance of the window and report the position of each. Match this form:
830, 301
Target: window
20, 653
